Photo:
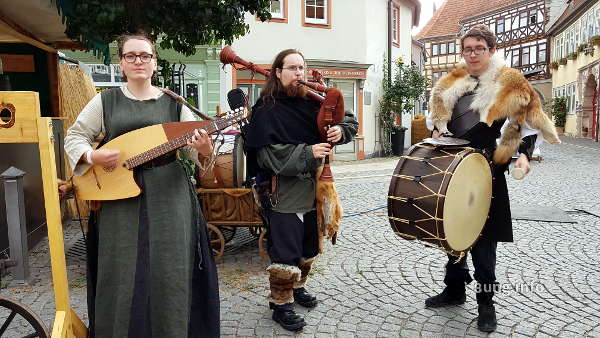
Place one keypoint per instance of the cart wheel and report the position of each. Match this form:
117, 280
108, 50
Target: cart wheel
24, 322
228, 233
262, 244
217, 241
255, 231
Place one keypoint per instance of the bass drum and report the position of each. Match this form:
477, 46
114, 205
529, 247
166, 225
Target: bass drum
441, 195
229, 170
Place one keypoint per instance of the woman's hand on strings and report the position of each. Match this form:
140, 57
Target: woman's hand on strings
201, 142
105, 157
320, 150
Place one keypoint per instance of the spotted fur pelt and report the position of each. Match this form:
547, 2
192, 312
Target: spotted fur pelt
502, 92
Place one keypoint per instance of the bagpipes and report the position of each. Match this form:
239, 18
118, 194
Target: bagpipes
329, 209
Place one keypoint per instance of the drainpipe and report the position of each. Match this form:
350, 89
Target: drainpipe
389, 42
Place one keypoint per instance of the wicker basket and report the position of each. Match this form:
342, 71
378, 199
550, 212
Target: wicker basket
419, 129
229, 207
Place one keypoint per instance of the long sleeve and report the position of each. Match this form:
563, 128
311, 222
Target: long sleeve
87, 129
349, 127
188, 115
288, 159
295, 166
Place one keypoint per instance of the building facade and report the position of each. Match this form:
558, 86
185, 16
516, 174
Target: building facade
576, 65
519, 26
346, 41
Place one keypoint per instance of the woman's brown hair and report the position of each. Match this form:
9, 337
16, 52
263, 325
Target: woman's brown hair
140, 35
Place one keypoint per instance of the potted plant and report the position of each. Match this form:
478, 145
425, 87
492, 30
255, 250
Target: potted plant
582, 47
562, 61
595, 40
554, 65
572, 56
559, 113
400, 92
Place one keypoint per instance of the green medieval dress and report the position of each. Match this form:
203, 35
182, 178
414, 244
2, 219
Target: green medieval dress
151, 269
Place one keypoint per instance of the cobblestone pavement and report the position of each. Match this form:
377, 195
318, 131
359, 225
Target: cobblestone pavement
373, 284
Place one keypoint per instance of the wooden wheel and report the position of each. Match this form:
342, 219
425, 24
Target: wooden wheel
262, 244
256, 231
17, 320
228, 232
217, 241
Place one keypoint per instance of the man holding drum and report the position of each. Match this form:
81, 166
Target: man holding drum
283, 141
482, 65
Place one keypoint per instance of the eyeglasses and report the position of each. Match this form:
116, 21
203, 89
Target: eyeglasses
130, 57
295, 68
476, 50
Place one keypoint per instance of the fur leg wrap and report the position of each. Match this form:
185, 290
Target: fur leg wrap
282, 278
305, 265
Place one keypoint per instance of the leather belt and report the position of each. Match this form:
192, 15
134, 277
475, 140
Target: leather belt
160, 161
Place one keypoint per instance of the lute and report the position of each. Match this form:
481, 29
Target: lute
138, 147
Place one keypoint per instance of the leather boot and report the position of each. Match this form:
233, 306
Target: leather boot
301, 296
451, 295
285, 315
486, 321
282, 278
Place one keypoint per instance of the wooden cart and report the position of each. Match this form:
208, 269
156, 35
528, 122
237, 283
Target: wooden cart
226, 209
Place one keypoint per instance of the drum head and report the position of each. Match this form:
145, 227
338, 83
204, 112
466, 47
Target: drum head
239, 162
467, 201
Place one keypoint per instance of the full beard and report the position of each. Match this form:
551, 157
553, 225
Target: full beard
295, 90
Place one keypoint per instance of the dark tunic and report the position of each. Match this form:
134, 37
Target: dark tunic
498, 227
153, 270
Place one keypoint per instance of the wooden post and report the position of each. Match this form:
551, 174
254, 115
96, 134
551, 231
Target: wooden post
29, 127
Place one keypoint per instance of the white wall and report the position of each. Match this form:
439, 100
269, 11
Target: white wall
358, 34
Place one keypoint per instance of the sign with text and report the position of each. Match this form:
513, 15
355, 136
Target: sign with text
340, 73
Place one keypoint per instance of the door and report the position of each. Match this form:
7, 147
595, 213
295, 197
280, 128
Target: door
348, 87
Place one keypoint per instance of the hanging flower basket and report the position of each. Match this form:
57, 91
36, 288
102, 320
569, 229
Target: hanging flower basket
554, 65
572, 56
563, 61
595, 40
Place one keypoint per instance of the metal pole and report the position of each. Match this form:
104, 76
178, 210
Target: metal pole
15, 217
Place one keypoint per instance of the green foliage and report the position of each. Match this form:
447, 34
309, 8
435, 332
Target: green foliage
572, 56
562, 61
554, 65
595, 40
400, 94
180, 24
559, 111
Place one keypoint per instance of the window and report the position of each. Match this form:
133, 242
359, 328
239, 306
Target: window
507, 24
523, 19
525, 56
451, 48
443, 50
276, 9
317, 12
396, 25
500, 27
434, 50
533, 17
533, 55
436, 76
515, 58
444, 74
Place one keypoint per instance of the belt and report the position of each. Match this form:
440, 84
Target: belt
160, 161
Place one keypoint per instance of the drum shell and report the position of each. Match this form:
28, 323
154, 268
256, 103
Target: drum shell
423, 208
229, 170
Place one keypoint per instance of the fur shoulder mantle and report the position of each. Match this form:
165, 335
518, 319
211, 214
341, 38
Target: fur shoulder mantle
500, 92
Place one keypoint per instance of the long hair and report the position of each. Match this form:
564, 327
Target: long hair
274, 85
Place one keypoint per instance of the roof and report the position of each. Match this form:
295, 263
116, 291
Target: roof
34, 22
573, 8
445, 20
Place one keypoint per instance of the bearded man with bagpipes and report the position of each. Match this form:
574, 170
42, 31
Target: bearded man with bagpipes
291, 131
